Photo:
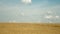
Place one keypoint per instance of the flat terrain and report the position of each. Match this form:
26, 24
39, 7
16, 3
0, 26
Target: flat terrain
29, 28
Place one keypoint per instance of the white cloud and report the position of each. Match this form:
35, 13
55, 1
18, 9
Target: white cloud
57, 16
49, 16
26, 1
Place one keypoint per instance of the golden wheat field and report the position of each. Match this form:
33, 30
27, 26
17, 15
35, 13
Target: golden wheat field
29, 28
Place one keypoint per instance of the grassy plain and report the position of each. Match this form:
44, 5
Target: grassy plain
29, 28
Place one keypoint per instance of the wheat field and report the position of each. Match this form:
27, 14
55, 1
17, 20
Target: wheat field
29, 28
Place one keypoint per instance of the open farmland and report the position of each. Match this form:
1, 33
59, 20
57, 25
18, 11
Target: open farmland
29, 28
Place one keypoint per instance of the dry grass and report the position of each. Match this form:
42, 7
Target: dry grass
29, 28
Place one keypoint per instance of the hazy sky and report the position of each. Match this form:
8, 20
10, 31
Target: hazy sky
29, 10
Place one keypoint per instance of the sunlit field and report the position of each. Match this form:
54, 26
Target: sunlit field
29, 28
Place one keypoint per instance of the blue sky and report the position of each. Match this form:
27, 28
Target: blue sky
34, 11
